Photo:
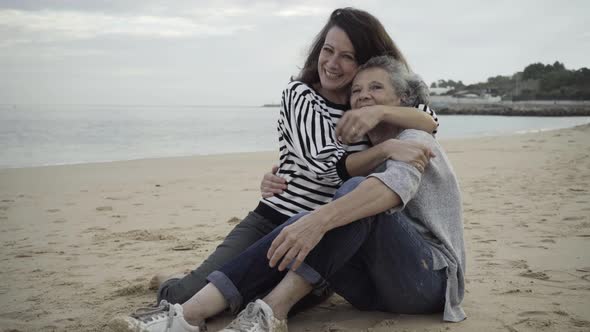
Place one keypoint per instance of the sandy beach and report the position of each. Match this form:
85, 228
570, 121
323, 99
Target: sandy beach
81, 242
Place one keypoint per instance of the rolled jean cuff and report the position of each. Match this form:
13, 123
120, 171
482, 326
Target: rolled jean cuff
227, 288
319, 284
164, 289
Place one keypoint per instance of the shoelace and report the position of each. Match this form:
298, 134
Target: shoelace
250, 318
147, 314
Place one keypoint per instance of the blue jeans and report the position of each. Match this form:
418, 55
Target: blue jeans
376, 263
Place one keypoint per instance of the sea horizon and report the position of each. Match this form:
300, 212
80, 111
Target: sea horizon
37, 135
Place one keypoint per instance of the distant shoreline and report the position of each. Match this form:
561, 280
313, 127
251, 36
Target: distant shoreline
532, 108
512, 109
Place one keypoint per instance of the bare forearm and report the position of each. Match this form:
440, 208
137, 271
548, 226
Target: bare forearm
363, 163
369, 198
408, 118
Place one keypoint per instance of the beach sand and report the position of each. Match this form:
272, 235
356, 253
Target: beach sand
80, 243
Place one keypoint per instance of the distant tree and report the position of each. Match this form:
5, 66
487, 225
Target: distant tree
558, 66
534, 71
551, 81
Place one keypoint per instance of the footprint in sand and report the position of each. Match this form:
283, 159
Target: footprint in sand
183, 246
519, 264
94, 229
534, 275
137, 235
113, 198
573, 218
517, 291
233, 220
580, 322
487, 241
132, 290
533, 313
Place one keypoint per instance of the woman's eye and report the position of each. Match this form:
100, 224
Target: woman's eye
327, 49
355, 91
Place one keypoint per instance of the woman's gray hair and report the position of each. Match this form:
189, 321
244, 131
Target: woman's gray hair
408, 86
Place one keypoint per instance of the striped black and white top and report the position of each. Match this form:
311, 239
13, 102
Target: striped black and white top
312, 160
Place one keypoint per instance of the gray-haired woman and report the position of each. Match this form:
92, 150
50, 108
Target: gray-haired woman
391, 242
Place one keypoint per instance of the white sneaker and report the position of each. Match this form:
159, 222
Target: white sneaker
164, 318
257, 317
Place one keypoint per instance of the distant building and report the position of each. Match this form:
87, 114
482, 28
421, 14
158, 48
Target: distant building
439, 91
526, 87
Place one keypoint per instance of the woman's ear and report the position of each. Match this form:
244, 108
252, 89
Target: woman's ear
403, 99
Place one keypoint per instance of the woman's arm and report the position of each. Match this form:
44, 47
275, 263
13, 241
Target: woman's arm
307, 135
356, 123
365, 162
298, 239
362, 163
392, 189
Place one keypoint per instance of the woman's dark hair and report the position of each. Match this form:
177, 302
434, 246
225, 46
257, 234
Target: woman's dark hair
367, 34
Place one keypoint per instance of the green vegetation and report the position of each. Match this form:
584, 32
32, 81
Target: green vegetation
536, 82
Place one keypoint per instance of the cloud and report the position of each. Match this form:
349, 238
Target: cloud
298, 11
50, 26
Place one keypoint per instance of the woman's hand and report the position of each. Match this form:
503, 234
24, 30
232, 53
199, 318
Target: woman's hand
272, 184
409, 152
354, 124
295, 241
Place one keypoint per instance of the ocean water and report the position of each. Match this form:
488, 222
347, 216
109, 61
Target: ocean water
38, 135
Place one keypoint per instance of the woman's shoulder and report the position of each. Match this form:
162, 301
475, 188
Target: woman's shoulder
300, 88
297, 88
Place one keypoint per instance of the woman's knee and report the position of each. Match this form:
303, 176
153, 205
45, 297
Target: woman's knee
348, 186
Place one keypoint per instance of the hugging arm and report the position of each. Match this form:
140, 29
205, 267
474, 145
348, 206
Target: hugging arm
356, 123
311, 136
362, 163
307, 133
393, 188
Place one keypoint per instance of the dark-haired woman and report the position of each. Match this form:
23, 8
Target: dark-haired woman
313, 159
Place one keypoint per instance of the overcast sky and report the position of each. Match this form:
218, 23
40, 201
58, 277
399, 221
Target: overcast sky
243, 52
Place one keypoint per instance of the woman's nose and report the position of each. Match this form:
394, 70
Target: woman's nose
364, 94
332, 62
